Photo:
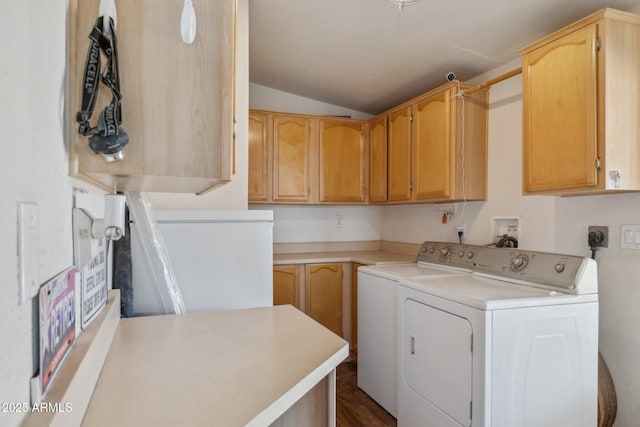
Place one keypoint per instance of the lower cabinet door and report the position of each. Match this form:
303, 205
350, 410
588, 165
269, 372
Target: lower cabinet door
324, 295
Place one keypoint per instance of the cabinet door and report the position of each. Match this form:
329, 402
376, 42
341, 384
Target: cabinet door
286, 285
559, 111
291, 162
324, 295
399, 152
432, 147
259, 131
378, 160
178, 102
342, 161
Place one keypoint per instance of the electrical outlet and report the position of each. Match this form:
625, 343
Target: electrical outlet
604, 236
462, 227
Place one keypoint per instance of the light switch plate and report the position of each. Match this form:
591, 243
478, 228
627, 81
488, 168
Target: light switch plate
28, 248
630, 237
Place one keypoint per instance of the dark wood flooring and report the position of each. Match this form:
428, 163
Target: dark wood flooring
354, 407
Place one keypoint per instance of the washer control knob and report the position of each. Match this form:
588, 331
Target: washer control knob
461, 254
519, 262
470, 255
423, 249
559, 267
431, 250
445, 251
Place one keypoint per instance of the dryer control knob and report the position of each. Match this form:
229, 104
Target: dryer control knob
470, 255
431, 250
423, 249
461, 254
559, 267
519, 262
445, 251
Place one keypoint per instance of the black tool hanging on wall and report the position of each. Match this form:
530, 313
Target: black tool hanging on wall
107, 138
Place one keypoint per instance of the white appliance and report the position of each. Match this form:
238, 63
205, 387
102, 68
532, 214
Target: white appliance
221, 260
515, 343
378, 324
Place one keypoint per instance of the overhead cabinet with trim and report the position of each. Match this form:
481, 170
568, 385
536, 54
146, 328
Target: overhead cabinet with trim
437, 147
177, 99
301, 159
581, 103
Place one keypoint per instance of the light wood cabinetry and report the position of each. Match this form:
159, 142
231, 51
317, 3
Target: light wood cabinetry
399, 155
178, 99
315, 289
286, 285
323, 294
581, 98
378, 159
260, 150
437, 147
301, 159
291, 159
342, 161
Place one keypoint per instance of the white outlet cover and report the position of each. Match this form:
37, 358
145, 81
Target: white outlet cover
28, 249
630, 236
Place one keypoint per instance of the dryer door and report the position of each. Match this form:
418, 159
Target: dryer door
437, 364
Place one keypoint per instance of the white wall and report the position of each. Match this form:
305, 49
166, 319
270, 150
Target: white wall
266, 98
34, 167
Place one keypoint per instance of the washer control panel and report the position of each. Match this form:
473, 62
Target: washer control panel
564, 273
450, 254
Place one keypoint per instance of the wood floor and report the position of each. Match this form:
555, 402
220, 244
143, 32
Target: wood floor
354, 407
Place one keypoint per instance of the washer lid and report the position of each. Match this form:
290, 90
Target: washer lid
491, 294
400, 271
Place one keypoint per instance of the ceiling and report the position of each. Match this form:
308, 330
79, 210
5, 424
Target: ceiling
369, 56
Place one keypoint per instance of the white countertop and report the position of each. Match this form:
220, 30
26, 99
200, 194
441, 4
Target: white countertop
228, 368
362, 257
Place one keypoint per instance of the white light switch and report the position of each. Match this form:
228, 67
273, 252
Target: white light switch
630, 237
28, 247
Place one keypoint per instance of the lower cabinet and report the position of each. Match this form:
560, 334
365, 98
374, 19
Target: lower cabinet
320, 297
286, 285
324, 295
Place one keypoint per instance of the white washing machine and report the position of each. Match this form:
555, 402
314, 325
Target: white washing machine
378, 317
515, 343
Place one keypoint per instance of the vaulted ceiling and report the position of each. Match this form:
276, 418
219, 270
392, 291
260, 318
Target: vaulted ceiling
369, 56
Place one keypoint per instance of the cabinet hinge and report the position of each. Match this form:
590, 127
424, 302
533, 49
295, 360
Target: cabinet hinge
411, 118
597, 44
235, 128
598, 163
411, 187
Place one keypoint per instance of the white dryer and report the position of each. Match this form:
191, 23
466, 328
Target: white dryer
378, 316
513, 344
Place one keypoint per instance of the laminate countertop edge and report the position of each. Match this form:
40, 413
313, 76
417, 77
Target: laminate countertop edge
360, 257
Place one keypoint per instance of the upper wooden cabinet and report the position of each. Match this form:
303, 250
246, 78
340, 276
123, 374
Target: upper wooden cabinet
437, 147
260, 150
178, 99
399, 155
342, 161
581, 103
302, 159
378, 159
291, 159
